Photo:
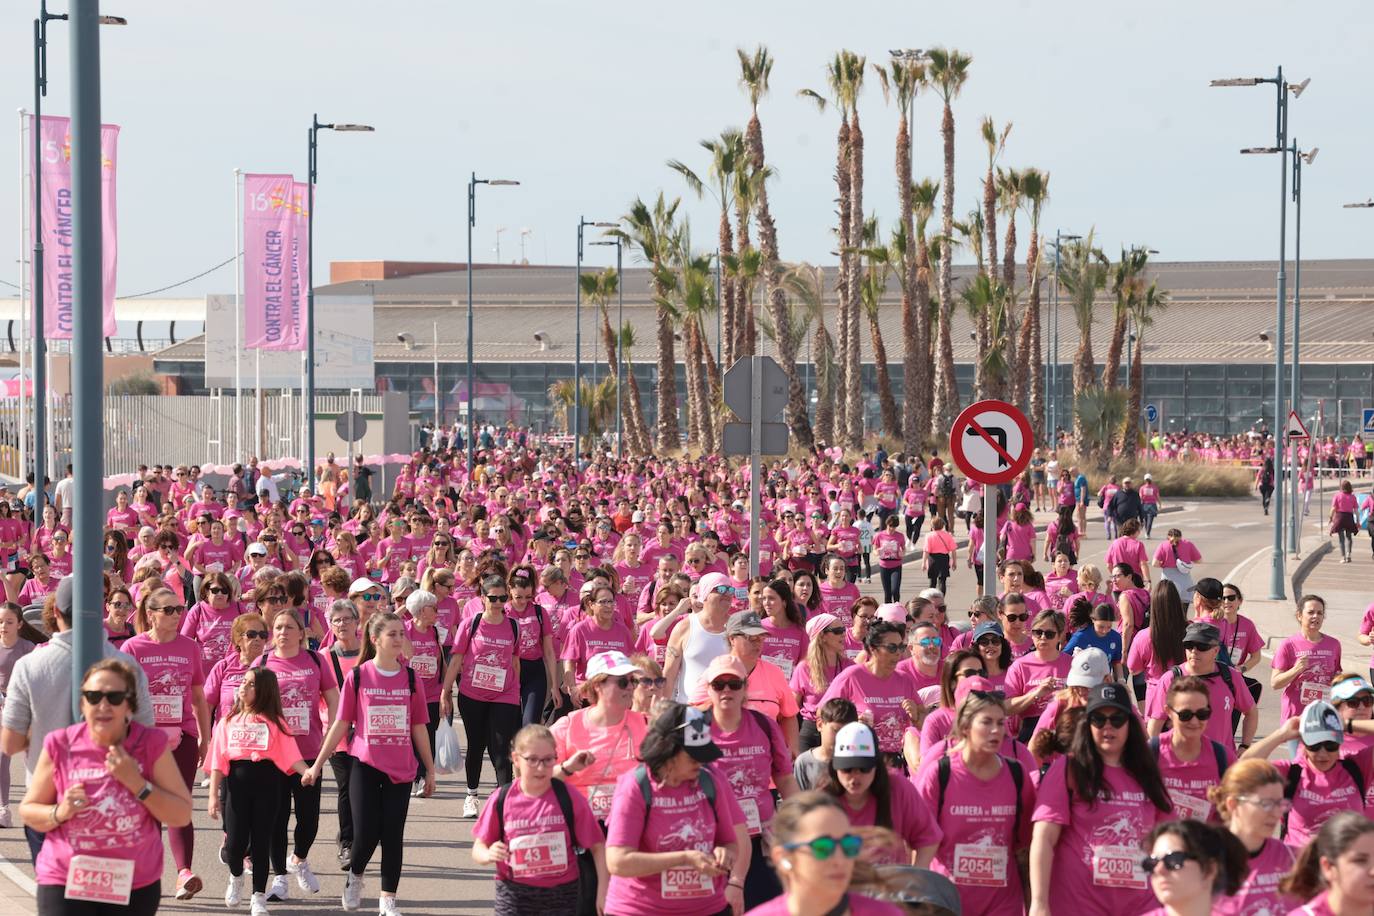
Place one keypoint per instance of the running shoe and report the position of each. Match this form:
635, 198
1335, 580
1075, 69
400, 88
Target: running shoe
305, 878
353, 892
233, 894
386, 906
5, 818
345, 857
470, 805
258, 906
278, 889
188, 884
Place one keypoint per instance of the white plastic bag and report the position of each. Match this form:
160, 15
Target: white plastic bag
447, 755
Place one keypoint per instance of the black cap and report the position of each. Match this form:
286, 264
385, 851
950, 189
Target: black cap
1201, 634
1109, 695
1208, 588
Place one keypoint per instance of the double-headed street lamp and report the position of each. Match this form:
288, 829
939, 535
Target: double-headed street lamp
1277, 590
308, 463
473, 182
582, 223
619, 346
1059, 239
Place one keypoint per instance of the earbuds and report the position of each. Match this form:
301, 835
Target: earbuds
786, 865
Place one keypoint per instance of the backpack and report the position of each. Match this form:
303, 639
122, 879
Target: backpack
1223, 671
946, 485
1290, 789
560, 791
314, 657
514, 628
1064, 544
705, 781
1018, 776
410, 676
1217, 749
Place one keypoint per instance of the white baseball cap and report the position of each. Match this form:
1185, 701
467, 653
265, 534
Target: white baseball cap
855, 746
361, 585
612, 662
1088, 668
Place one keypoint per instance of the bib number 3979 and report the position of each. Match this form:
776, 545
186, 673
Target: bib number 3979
100, 880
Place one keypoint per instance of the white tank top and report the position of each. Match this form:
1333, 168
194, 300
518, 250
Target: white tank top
701, 647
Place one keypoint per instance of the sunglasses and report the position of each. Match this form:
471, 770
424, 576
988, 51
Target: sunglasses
170, 609
650, 681
1045, 634
1359, 702
1102, 719
834, 631
823, 847
120, 605
1172, 861
1188, 715
722, 684
1329, 747
1198, 647
113, 697
1020, 618
970, 672
929, 642
624, 681
498, 597
988, 640
272, 599
257, 634
217, 590
1230, 597
891, 648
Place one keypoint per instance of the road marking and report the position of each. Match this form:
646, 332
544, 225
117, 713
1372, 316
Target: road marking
18, 877
1234, 574
1247, 524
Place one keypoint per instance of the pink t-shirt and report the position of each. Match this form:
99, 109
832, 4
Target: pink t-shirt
1260, 891
1188, 782
805, 688
488, 654
173, 668
1059, 588
911, 818
1317, 906
1028, 672
677, 818
303, 679
385, 711
858, 906
784, 646
214, 557
211, 628
222, 684
980, 833
534, 626
1321, 795
615, 748
891, 547
249, 736
1097, 858
117, 825
1314, 683
754, 753
588, 638
1223, 701
1020, 540
539, 840
1167, 556
847, 541
428, 660
880, 697
1129, 551
837, 600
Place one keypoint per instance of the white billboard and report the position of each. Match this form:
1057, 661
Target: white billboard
343, 347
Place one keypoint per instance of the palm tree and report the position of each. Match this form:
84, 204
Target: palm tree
727, 152
905, 79
636, 429
996, 142
923, 196
1083, 271
805, 284
745, 268
1098, 411
598, 289
654, 231
1128, 284
1008, 201
1143, 312
986, 301
694, 298
880, 260
597, 400
853, 364
1034, 187
948, 71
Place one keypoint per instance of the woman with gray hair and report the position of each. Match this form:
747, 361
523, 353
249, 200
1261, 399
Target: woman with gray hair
426, 660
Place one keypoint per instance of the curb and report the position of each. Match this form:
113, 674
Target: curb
1307, 564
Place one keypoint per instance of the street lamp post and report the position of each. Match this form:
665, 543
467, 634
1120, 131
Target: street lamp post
1300, 159
311, 172
1059, 239
620, 347
473, 182
1277, 588
582, 223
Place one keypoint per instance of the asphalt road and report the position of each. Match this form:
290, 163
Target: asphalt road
440, 877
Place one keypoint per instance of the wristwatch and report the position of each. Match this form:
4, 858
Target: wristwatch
144, 792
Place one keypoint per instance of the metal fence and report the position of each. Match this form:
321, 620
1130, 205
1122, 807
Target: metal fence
155, 429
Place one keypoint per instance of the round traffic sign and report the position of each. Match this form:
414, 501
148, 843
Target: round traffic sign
1151, 413
991, 442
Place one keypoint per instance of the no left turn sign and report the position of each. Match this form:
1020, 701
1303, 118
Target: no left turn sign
991, 442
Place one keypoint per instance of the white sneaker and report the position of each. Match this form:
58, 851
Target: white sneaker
233, 894
305, 878
353, 892
5, 818
278, 889
205, 783
470, 806
386, 906
258, 906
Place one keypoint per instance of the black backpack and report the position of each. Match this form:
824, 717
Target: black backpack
705, 782
1290, 788
1223, 672
1217, 749
1018, 776
1064, 544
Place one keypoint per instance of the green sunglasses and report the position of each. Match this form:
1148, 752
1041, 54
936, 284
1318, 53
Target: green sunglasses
823, 847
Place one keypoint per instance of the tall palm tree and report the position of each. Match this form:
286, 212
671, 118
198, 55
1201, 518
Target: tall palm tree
1128, 284
745, 268
878, 256
904, 80
636, 429
1035, 190
694, 299
923, 195
985, 298
853, 364
805, 285
996, 142
948, 71
1083, 270
727, 152
1008, 201
1143, 312
598, 289
1098, 412
654, 231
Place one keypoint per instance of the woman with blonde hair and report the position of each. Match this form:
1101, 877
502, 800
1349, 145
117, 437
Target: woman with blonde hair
825, 658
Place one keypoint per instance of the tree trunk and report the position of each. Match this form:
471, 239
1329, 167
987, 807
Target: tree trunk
928, 386
1112, 366
853, 364
891, 426
947, 388
691, 358
1016, 324
669, 437
705, 421
845, 279
613, 361
821, 349
729, 305
639, 441
1034, 358
1130, 429
744, 294
912, 357
1082, 381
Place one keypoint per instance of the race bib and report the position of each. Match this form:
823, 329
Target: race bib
167, 709
214, 567
488, 677
539, 854
248, 736
1118, 866
848, 545
980, 866
600, 797
297, 719
890, 551
685, 884
798, 550
1190, 807
100, 880
784, 664
750, 807
387, 721
425, 666
1311, 691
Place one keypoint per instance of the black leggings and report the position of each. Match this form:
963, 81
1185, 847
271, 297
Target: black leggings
379, 815
760, 882
490, 727
914, 524
142, 902
534, 690
306, 801
938, 572
892, 583
255, 792
342, 765
432, 727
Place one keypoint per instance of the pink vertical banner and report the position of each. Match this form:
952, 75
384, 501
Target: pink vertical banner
268, 242
300, 260
58, 207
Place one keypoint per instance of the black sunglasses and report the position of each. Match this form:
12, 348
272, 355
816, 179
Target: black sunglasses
650, 681
1173, 861
1188, 715
1045, 634
834, 631
498, 597
115, 697
257, 634
1102, 719
727, 683
1329, 747
1021, 618
216, 590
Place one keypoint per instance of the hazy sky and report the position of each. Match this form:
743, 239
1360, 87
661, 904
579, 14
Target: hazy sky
584, 103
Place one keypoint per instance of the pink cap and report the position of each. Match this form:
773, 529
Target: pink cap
969, 684
893, 613
820, 622
709, 582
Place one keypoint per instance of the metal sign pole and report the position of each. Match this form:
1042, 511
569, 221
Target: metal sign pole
989, 539
755, 447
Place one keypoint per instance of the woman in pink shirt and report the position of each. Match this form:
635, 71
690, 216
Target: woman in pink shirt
890, 544
1332, 873
837, 592
1033, 678
875, 796
210, 621
1192, 867
1128, 549
884, 695
1095, 808
940, 554
844, 543
1249, 801
387, 714
100, 793
250, 755
1304, 664
598, 743
1342, 521
1017, 536
786, 641
825, 658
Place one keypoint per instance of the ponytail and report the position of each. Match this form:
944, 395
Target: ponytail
1335, 838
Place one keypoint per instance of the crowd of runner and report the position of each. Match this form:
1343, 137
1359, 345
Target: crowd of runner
669, 734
